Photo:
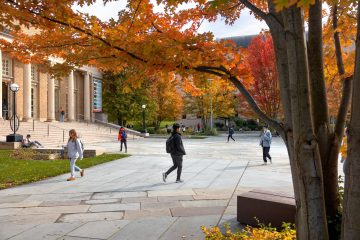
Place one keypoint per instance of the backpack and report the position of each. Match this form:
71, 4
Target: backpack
123, 135
170, 144
81, 144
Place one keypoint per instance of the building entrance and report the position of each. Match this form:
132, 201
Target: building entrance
5, 100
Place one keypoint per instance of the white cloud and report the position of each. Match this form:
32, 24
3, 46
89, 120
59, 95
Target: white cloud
246, 25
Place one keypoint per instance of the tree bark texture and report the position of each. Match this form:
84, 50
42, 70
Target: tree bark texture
351, 207
311, 212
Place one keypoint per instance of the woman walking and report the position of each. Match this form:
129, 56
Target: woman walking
75, 151
122, 136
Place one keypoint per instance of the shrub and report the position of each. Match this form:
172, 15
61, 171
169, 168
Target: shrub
23, 153
210, 132
150, 130
263, 232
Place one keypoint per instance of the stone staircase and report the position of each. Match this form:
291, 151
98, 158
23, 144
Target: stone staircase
56, 134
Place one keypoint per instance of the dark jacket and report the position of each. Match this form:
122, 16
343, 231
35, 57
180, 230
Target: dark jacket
178, 145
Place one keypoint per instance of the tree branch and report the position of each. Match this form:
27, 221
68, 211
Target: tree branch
79, 29
222, 72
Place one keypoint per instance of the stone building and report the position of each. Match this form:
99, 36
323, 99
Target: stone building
41, 96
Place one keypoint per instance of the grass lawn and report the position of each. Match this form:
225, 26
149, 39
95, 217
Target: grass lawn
16, 172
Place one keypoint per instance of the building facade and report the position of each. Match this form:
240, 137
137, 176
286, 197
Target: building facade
41, 96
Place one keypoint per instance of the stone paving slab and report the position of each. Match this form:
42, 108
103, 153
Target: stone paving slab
8, 230
159, 205
47, 231
179, 192
144, 229
108, 195
113, 207
13, 198
165, 212
102, 201
98, 229
60, 203
196, 211
76, 238
189, 227
204, 203
89, 217
25, 219
9, 211
139, 200
174, 198
20, 204
57, 209
57, 197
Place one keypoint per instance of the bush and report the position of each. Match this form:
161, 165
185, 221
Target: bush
210, 132
23, 153
263, 232
150, 130
219, 125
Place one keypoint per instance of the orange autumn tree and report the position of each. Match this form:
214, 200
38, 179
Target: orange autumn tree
262, 64
205, 93
166, 98
168, 41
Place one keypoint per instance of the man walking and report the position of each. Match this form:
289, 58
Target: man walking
177, 151
265, 143
231, 132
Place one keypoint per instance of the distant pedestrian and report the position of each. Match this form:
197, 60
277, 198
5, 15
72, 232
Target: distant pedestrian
28, 142
198, 127
177, 151
231, 132
62, 114
75, 151
265, 143
122, 137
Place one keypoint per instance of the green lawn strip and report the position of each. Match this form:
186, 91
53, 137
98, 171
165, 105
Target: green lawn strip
16, 172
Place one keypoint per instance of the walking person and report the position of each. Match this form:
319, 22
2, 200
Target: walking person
122, 137
231, 132
75, 151
177, 151
62, 114
265, 143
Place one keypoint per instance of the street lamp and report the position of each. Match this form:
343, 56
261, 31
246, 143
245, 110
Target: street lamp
14, 121
211, 107
144, 123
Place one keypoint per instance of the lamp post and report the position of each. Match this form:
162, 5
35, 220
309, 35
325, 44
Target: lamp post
14, 121
144, 123
211, 107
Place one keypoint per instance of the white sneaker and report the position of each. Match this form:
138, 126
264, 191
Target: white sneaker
164, 177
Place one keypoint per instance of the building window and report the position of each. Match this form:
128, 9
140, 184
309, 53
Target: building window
34, 74
6, 67
184, 116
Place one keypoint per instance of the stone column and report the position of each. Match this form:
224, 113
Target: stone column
27, 93
51, 99
1, 97
71, 105
86, 97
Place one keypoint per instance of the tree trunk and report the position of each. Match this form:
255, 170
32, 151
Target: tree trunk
351, 214
311, 218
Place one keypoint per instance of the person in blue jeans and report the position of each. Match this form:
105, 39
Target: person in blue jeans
75, 151
177, 154
265, 143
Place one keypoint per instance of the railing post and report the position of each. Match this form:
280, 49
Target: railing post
48, 130
33, 125
110, 130
63, 135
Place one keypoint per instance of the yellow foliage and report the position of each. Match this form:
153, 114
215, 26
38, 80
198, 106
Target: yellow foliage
250, 233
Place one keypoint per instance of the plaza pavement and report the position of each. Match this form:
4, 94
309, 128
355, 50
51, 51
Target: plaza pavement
127, 199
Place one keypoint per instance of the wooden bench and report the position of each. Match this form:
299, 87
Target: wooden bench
268, 207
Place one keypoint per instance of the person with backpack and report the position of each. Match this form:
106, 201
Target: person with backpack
265, 143
175, 147
122, 136
75, 150
231, 132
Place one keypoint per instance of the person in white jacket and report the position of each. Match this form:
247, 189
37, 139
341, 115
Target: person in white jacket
75, 151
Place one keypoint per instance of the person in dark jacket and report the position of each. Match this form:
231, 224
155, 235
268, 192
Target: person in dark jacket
231, 132
176, 154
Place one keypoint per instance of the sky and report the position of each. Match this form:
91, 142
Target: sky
246, 25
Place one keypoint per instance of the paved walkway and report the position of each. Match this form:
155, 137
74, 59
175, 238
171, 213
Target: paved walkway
126, 199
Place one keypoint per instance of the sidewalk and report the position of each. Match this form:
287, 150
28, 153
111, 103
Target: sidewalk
126, 199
